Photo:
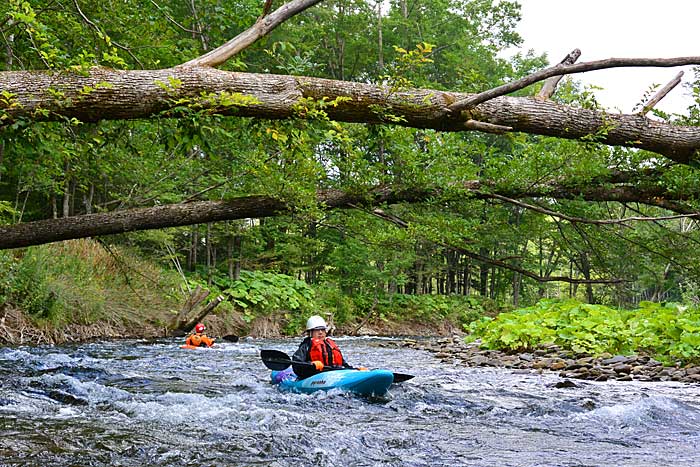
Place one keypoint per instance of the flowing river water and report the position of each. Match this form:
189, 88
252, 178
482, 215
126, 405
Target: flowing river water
139, 403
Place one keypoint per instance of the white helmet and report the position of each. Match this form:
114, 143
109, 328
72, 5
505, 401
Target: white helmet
315, 322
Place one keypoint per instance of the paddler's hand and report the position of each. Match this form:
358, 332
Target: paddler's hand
318, 365
362, 368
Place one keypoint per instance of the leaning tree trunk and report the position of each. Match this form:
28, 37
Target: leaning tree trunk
175, 215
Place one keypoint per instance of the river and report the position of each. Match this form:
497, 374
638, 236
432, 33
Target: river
144, 403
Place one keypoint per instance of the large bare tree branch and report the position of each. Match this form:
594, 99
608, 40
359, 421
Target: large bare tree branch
662, 93
147, 93
582, 220
261, 28
550, 84
66, 228
565, 69
143, 94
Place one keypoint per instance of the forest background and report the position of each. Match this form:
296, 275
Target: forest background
500, 220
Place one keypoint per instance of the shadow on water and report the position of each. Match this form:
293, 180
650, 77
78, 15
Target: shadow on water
135, 403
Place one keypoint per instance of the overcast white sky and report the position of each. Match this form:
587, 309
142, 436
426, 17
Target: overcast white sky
617, 28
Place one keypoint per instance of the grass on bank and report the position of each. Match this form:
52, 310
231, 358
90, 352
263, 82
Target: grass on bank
82, 282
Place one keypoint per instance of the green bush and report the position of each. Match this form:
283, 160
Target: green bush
670, 332
258, 293
330, 298
30, 286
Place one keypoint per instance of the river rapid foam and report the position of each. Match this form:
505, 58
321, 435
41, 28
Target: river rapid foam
136, 403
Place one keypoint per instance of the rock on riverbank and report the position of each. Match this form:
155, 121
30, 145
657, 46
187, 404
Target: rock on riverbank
551, 358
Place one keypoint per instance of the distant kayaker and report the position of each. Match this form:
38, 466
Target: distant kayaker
199, 339
318, 349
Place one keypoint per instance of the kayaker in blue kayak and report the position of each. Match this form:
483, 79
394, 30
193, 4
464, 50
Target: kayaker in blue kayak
319, 349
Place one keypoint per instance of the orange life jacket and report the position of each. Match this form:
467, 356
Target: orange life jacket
326, 351
198, 340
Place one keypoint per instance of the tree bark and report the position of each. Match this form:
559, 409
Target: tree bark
483, 274
192, 253
238, 242
66, 191
88, 198
204, 312
229, 257
194, 299
210, 254
146, 93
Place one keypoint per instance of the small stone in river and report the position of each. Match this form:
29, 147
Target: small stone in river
565, 384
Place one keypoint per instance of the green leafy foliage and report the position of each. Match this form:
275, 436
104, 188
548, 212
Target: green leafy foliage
259, 292
432, 309
669, 332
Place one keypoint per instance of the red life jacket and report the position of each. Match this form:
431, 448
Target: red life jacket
326, 351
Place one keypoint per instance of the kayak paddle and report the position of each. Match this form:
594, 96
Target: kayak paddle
278, 361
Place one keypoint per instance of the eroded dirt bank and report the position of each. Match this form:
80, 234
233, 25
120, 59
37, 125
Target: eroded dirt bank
18, 329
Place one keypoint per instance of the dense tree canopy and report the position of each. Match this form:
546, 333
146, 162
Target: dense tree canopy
123, 117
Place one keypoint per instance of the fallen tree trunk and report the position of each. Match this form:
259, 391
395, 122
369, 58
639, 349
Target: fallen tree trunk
174, 215
180, 320
138, 94
188, 326
184, 322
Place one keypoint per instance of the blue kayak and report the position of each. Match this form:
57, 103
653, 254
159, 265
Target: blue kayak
364, 383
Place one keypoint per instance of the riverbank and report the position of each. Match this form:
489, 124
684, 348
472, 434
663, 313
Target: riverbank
606, 367
86, 290
18, 328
